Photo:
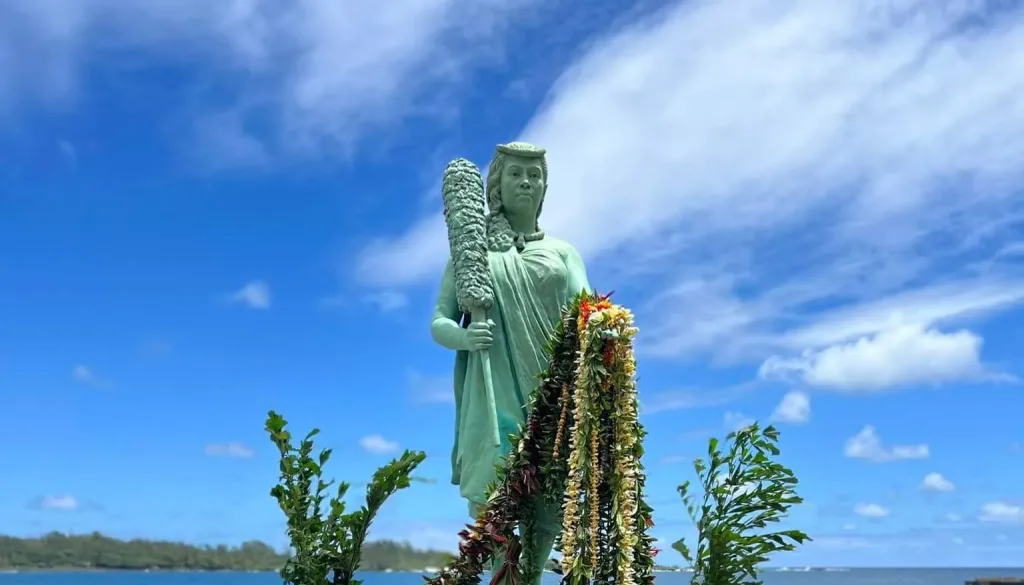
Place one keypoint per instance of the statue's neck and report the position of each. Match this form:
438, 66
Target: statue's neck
520, 224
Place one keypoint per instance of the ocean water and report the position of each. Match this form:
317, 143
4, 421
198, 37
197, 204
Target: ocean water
850, 577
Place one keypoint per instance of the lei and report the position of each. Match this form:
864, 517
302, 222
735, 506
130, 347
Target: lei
580, 448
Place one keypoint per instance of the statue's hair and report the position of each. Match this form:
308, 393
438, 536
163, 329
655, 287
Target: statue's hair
500, 235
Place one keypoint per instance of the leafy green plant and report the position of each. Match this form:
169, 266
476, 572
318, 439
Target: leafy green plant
745, 490
327, 541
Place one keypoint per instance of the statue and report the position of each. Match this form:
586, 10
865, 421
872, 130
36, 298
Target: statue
532, 278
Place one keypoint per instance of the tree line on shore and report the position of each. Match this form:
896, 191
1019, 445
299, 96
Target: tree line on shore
97, 551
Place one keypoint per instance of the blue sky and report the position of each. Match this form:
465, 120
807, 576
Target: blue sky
210, 210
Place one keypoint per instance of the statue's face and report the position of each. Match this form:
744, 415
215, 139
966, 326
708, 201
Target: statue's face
522, 185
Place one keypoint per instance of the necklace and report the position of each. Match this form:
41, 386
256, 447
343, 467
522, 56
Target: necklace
522, 238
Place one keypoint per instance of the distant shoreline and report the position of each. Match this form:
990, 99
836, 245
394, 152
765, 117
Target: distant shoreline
97, 553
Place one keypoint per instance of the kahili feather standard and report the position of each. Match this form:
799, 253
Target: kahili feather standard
463, 192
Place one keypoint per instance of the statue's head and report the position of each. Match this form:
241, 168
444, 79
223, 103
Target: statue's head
517, 179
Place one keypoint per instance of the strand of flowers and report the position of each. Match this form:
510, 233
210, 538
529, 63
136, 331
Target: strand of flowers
625, 464
576, 473
636, 562
596, 347
563, 414
593, 502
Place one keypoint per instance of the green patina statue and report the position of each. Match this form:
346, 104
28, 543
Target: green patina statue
498, 358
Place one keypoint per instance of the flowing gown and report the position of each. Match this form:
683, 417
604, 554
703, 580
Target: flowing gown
530, 290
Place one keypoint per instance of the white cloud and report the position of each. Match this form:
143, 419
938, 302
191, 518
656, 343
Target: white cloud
325, 72
902, 356
61, 502
849, 527
795, 200
937, 483
795, 408
82, 374
868, 445
871, 510
68, 151
230, 449
378, 445
693, 398
431, 389
255, 295
85, 375
736, 421
1002, 512
386, 301
943, 302
419, 255
951, 517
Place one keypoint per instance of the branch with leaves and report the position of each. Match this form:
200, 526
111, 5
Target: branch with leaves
744, 491
327, 541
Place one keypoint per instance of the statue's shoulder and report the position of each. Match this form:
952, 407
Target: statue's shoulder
564, 248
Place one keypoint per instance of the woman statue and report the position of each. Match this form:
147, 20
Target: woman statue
534, 277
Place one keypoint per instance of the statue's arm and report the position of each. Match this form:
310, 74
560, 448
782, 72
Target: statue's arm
444, 327
576, 271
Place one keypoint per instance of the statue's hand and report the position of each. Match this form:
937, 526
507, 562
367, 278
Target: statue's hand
479, 336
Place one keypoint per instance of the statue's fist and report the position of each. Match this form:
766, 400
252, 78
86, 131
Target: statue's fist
479, 335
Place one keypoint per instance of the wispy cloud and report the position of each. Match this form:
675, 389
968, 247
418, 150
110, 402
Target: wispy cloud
68, 151
232, 449
1002, 512
736, 421
937, 483
386, 301
255, 295
794, 408
55, 502
378, 445
868, 445
690, 398
85, 375
431, 389
805, 195
319, 74
63, 503
871, 510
